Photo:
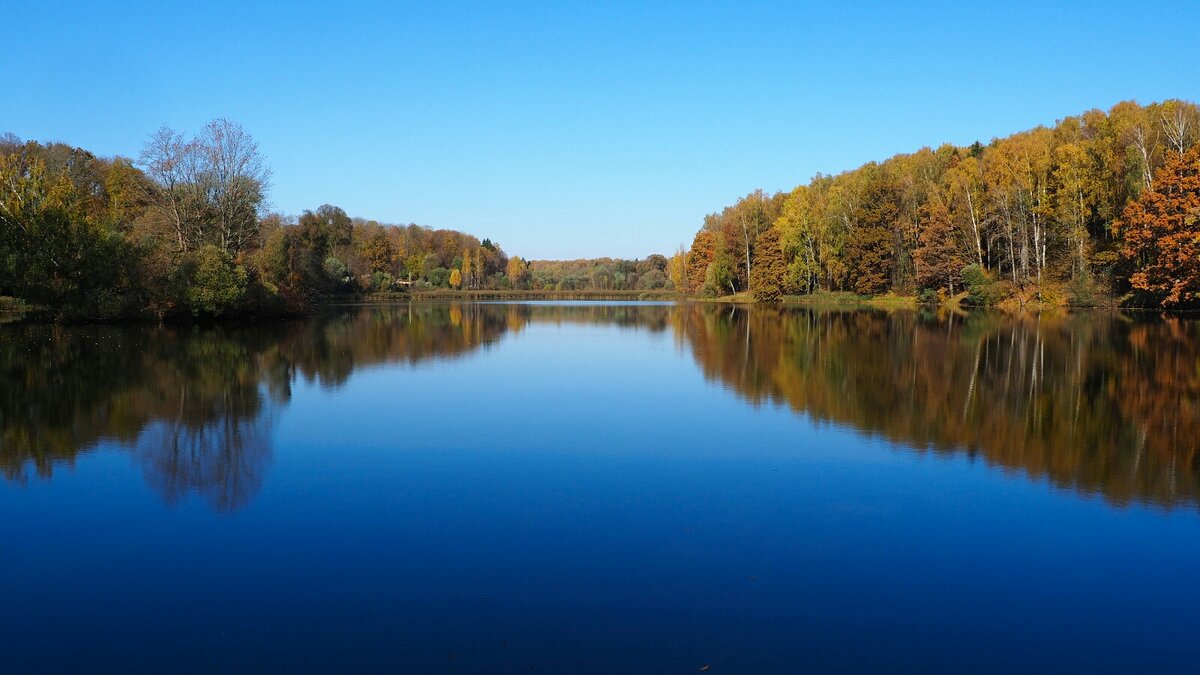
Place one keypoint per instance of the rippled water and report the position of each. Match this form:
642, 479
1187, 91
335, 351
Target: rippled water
602, 487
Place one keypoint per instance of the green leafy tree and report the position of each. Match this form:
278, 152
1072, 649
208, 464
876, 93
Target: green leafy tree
214, 283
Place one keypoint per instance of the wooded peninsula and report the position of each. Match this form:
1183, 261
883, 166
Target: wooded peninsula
1102, 209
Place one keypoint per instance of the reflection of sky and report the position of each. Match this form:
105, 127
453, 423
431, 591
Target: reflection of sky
580, 494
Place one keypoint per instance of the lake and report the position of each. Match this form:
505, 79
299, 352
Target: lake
602, 487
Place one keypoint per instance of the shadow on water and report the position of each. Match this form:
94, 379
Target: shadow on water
1095, 403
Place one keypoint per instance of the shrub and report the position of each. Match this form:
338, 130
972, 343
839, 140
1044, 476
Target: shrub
982, 289
213, 285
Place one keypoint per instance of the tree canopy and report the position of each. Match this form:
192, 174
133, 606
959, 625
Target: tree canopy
1032, 211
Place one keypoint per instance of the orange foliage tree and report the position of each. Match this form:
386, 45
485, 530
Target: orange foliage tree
1161, 231
701, 255
770, 270
939, 256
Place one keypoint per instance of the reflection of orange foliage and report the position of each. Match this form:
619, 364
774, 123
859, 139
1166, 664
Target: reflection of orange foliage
1089, 402
1092, 403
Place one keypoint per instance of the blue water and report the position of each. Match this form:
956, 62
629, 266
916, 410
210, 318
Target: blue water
576, 496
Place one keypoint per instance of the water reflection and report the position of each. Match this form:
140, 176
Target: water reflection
196, 406
1094, 403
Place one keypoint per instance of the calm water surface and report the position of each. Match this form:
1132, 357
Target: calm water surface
605, 487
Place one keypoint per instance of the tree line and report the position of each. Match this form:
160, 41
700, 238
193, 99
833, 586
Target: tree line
600, 274
184, 230
1100, 208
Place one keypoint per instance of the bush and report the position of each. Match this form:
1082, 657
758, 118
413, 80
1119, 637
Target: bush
718, 278
982, 289
652, 280
338, 273
1085, 292
928, 297
10, 304
381, 281
440, 277
213, 285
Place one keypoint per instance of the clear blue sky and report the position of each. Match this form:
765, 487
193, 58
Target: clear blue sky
567, 129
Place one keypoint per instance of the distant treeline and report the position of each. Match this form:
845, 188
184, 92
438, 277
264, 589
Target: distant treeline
601, 274
1102, 207
183, 231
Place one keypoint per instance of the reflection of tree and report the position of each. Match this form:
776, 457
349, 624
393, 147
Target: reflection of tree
223, 459
1097, 404
1093, 403
197, 405
188, 402
57, 388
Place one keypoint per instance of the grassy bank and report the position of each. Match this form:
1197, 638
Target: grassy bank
470, 295
10, 304
743, 298
847, 299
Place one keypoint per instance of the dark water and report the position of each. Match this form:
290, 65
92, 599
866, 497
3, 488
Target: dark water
602, 487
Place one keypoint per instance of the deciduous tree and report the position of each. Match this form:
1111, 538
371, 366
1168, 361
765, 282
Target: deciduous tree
699, 258
768, 275
1161, 232
939, 257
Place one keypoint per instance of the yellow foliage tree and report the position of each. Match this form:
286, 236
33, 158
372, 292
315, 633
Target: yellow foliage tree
516, 270
467, 267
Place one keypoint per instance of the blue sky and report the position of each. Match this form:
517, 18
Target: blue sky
566, 130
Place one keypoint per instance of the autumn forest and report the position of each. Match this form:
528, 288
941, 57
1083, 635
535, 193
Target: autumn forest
1102, 209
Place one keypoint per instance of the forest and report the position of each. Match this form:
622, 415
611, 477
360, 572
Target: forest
600, 274
1102, 208
184, 231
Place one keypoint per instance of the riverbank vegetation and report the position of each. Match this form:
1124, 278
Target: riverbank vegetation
599, 274
184, 231
1102, 208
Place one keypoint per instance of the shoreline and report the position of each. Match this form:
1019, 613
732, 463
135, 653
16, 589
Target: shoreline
843, 301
